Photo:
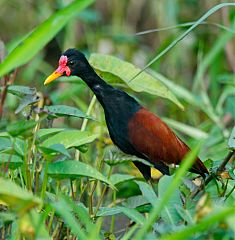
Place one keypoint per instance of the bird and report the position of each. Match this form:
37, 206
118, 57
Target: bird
132, 128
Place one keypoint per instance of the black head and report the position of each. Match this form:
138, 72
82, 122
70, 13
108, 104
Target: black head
71, 63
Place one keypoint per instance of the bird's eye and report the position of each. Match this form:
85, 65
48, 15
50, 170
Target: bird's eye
71, 63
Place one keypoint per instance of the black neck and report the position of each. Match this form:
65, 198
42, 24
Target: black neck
95, 83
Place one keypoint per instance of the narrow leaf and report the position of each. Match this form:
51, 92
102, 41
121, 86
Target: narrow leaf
41, 35
19, 199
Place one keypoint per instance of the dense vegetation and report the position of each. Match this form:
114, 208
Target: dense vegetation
61, 176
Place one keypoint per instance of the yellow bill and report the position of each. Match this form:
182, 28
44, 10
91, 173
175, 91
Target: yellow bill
52, 77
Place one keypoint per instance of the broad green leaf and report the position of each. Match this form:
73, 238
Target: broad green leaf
106, 211
125, 71
70, 138
5, 143
41, 35
118, 178
135, 201
74, 169
129, 212
20, 127
169, 213
20, 146
55, 149
133, 214
11, 161
45, 132
17, 198
147, 192
231, 141
63, 111
21, 91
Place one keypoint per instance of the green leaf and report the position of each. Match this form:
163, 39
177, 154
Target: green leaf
64, 111
20, 127
147, 192
21, 91
25, 101
136, 202
129, 212
55, 149
45, 132
70, 138
83, 215
107, 211
118, 178
5, 143
65, 211
19, 199
125, 71
75, 169
20, 146
41, 35
231, 141
12, 161
133, 214
6, 217
169, 213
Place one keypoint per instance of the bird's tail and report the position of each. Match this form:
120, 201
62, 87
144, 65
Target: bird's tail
199, 168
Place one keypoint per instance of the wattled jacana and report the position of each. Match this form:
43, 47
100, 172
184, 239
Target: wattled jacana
134, 129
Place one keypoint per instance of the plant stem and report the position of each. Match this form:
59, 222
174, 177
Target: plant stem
113, 217
102, 194
85, 121
226, 160
45, 178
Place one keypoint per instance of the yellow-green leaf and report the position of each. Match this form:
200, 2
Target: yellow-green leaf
110, 67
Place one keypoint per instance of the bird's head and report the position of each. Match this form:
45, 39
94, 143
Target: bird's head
71, 63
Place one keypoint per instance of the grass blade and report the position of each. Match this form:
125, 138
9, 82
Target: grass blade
198, 22
41, 35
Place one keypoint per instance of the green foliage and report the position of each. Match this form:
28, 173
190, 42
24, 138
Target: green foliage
70, 138
109, 68
17, 198
41, 35
75, 169
61, 177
